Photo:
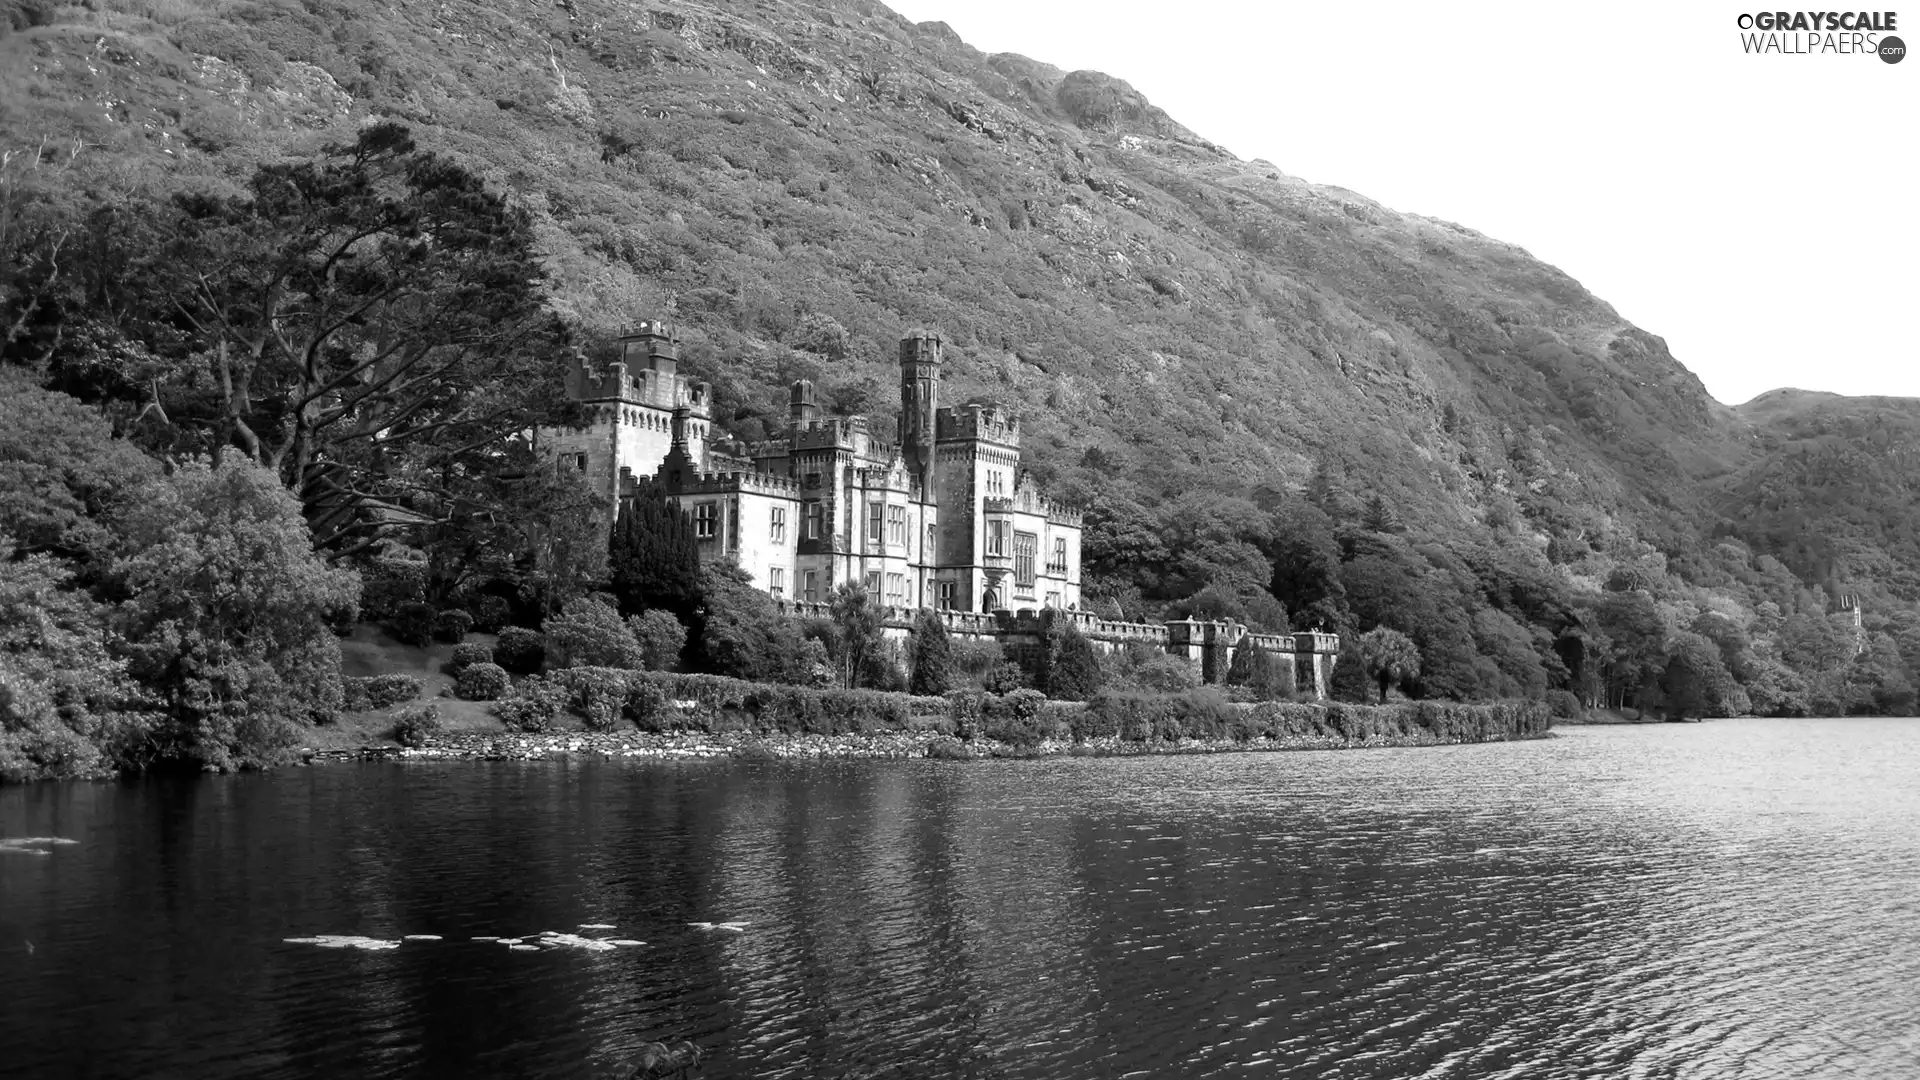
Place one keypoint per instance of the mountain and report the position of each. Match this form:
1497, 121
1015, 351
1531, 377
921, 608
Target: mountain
1189, 336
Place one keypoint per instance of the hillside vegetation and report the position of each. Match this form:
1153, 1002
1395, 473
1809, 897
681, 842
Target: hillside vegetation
1280, 402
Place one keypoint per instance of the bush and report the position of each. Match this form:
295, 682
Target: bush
412, 623
716, 703
1563, 704
377, 691
1004, 678
520, 651
482, 681
597, 695
451, 625
467, 655
490, 613
414, 727
947, 749
1073, 670
661, 637
1016, 719
387, 584
591, 634
533, 706
1165, 673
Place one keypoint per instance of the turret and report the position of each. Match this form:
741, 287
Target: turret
651, 347
919, 399
801, 410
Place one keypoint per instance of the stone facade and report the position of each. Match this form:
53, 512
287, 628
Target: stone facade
940, 516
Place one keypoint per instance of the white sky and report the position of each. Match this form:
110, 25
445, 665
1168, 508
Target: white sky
1755, 211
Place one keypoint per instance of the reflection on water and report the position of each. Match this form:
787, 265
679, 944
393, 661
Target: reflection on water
1728, 899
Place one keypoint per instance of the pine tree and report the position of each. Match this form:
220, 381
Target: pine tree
1380, 516
1071, 666
932, 656
652, 556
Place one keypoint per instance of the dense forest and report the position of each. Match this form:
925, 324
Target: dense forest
285, 286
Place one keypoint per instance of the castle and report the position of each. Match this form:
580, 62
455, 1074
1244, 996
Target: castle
941, 516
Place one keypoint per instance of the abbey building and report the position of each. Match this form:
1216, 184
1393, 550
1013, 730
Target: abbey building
936, 514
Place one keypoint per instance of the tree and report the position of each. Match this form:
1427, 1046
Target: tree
859, 621
1695, 680
1072, 670
375, 330
67, 705
64, 478
738, 632
1380, 515
1388, 656
590, 634
229, 613
932, 652
653, 557
1306, 564
661, 638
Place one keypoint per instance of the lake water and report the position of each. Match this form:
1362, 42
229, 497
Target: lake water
1735, 898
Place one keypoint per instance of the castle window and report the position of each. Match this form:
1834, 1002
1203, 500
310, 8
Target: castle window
1053, 600
996, 483
946, 596
816, 520
580, 462
996, 538
706, 520
926, 553
777, 531
896, 590
873, 584
875, 515
812, 593
1059, 563
896, 525
1026, 546
776, 582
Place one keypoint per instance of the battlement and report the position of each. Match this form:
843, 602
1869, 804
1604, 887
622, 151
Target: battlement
839, 432
619, 382
920, 347
985, 423
730, 482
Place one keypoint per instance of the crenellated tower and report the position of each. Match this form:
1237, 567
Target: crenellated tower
919, 402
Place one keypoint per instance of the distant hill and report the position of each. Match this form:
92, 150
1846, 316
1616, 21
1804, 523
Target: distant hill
795, 183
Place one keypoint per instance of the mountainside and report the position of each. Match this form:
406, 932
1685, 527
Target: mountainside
1189, 337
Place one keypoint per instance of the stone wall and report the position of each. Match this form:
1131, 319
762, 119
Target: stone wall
1208, 646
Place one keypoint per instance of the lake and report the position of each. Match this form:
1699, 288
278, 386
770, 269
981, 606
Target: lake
1734, 898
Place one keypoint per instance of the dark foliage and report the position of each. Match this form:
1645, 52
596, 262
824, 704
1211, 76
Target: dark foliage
521, 651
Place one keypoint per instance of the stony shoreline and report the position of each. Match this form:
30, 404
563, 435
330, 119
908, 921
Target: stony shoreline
890, 745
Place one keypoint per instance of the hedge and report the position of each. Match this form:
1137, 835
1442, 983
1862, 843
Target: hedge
1205, 714
669, 701
377, 691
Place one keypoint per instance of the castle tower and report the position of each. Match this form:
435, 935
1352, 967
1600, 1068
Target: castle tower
919, 400
801, 410
650, 346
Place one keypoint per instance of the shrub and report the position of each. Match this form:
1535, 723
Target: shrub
533, 706
661, 638
647, 705
716, 703
1563, 704
451, 625
386, 584
482, 681
591, 634
490, 613
1004, 678
378, 691
1165, 674
520, 651
1073, 665
414, 727
597, 695
964, 711
469, 654
932, 651
1015, 719
412, 623
947, 749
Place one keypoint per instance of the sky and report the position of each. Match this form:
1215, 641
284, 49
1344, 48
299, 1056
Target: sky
1755, 210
